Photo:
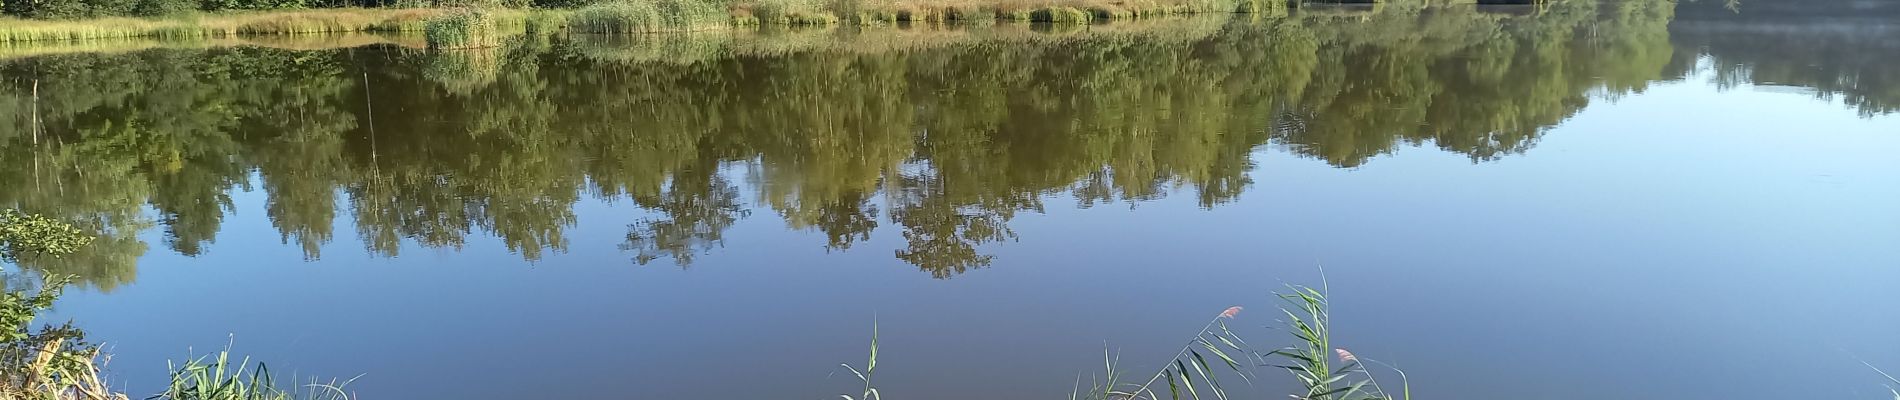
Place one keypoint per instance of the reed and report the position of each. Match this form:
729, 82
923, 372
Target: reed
1309, 319
462, 28
1196, 369
1893, 387
1190, 371
870, 391
220, 377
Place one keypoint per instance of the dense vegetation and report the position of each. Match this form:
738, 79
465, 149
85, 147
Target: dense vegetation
943, 135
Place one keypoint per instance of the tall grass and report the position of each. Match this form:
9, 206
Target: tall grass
219, 377
787, 12
648, 16
462, 28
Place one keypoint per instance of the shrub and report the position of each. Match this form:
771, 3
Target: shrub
1068, 15
49, 9
161, 8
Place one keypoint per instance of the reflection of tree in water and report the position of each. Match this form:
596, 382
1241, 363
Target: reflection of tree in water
943, 235
948, 140
695, 211
1852, 59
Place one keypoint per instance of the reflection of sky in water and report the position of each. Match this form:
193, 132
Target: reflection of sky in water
1679, 243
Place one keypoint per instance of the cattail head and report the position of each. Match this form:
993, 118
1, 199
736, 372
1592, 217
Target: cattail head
1230, 312
1346, 356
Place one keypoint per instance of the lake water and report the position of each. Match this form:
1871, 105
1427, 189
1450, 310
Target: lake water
1590, 201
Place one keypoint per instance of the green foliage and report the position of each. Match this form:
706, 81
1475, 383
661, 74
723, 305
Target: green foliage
229, 5
462, 28
24, 235
1061, 15
67, 9
161, 8
50, 362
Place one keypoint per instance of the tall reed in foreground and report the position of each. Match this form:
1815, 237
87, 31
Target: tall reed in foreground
870, 367
1309, 319
1192, 372
1194, 369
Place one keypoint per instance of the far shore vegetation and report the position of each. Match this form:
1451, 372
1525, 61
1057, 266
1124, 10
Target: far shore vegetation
476, 23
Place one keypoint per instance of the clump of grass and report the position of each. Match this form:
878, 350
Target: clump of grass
220, 377
1060, 15
462, 28
648, 16
788, 12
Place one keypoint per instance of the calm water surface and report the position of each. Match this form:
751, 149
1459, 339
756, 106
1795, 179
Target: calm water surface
1605, 201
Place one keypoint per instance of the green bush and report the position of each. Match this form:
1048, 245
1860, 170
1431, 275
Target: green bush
1067, 15
161, 8
66, 9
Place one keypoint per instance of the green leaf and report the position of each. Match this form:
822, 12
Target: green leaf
1186, 381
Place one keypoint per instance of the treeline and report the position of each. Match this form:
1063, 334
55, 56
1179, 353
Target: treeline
940, 141
79, 9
